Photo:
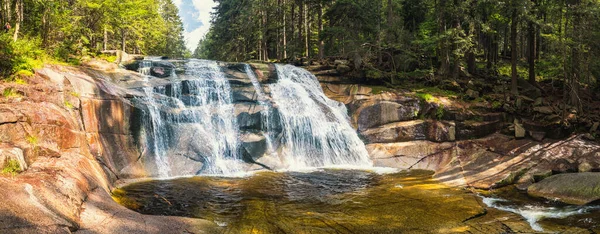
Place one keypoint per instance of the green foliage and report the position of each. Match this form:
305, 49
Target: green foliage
32, 140
374, 74
505, 69
12, 167
437, 91
19, 58
496, 104
425, 97
439, 112
68, 105
70, 31
10, 93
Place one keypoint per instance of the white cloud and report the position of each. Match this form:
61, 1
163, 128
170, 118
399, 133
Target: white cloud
192, 38
177, 2
204, 8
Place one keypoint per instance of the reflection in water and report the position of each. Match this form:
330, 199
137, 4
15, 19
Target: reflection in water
325, 201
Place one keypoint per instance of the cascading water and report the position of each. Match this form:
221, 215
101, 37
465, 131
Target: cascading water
192, 125
316, 129
145, 67
156, 140
266, 112
195, 118
213, 115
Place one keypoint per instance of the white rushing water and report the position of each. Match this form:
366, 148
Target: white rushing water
213, 115
316, 130
533, 214
266, 110
195, 118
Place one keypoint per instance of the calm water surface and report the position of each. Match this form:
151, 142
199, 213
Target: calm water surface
348, 201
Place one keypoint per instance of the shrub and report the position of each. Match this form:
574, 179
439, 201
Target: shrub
12, 167
19, 58
439, 112
10, 93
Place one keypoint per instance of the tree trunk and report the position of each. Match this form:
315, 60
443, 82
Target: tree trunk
19, 18
105, 41
576, 66
123, 39
284, 31
513, 44
45, 27
531, 55
300, 29
306, 31
320, 24
443, 53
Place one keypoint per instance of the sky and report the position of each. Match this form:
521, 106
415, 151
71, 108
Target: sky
195, 15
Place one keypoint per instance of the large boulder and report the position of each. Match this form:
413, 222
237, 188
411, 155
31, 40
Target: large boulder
412, 155
573, 188
385, 109
437, 131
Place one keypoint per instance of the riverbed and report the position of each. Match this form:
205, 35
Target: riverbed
352, 201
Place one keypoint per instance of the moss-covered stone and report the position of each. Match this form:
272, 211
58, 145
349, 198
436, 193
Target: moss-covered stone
575, 188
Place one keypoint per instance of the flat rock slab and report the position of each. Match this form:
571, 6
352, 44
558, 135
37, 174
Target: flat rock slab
575, 188
102, 215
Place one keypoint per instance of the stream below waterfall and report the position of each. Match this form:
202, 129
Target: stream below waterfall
351, 201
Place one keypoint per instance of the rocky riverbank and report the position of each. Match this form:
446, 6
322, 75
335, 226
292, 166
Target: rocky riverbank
65, 141
70, 133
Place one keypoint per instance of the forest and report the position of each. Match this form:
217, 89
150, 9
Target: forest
67, 30
394, 40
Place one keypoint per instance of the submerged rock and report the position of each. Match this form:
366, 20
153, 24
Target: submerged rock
575, 188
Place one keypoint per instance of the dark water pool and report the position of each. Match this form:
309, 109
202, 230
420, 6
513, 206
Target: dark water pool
345, 201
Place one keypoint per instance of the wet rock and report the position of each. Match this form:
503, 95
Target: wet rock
244, 94
574, 188
254, 146
249, 115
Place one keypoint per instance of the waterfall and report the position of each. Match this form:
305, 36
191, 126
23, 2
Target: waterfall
266, 112
145, 67
191, 123
316, 130
156, 140
214, 116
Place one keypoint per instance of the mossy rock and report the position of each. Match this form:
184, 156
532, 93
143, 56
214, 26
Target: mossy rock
574, 188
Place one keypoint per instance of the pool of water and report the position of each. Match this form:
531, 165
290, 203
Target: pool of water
345, 201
